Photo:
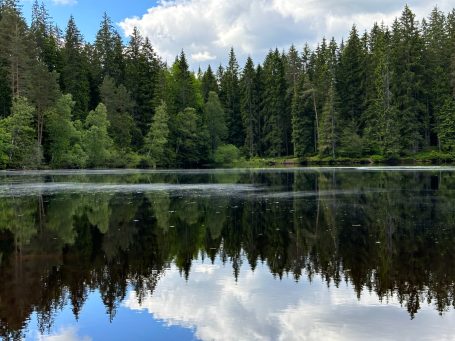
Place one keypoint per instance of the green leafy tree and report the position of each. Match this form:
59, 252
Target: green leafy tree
97, 142
19, 127
156, 141
65, 148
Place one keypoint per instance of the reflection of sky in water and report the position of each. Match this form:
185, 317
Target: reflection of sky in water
256, 308
212, 306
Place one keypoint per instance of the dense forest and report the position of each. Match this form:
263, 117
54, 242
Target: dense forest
65, 103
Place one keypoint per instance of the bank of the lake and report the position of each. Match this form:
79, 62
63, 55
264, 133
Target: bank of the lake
431, 157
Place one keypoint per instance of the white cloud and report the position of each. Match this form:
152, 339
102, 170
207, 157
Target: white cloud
64, 2
206, 29
202, 56
260, 307
65, 334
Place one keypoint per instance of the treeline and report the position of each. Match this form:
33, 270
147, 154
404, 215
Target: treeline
67, 103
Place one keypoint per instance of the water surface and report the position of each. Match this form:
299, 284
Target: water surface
283, 254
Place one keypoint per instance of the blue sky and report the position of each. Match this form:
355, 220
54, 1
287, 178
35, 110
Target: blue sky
207, 29
88, 13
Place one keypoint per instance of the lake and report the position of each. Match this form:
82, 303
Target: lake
274, 254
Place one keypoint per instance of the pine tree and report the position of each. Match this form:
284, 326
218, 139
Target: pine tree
215, 122
350, 79
46, 38
96, 140
119, 107
190, 139
250, 107
156, 140
407, 82
446, 125
208, 83
303, 118
16, 52
274, 105
328, 131
382, 130
75, 77
109, 51
142, 77
230, 97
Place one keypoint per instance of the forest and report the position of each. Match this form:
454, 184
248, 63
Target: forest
381, 95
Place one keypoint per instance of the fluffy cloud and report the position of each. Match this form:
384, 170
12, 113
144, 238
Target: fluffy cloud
260, 307
65, 334
206, 29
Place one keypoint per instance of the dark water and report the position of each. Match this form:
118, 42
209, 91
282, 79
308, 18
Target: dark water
297, 254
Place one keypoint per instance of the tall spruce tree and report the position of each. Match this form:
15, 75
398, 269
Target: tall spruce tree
75, 73
407, 82
230, 97
208, 83
274, 106
215, 122
250, 101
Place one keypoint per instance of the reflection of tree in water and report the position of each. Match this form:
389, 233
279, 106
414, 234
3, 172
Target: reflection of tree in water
396, 240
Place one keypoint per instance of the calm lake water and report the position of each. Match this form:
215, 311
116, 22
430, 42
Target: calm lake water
285, 254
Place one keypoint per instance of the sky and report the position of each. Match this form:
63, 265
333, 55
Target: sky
207, 29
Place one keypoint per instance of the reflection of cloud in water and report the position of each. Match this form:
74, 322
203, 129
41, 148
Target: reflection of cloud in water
65, 334
28, 189
256, 308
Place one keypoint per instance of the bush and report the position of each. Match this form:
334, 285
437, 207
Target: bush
226, 154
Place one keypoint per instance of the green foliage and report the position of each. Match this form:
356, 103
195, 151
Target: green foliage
226, 154
5, 140
446, 125
250, 107
328, 132
230, 97
22, 147
119, 107
190, 138
65, 146
96, 141
156, 141
215, 122
275, 129
387, 92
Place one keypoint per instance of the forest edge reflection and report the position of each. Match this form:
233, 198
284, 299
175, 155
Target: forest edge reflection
389, 232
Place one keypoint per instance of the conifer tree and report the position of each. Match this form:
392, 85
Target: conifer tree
274, 106
208, 83
250, 101
97, 142
75, 77
230, 97
215, 122
156, 140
